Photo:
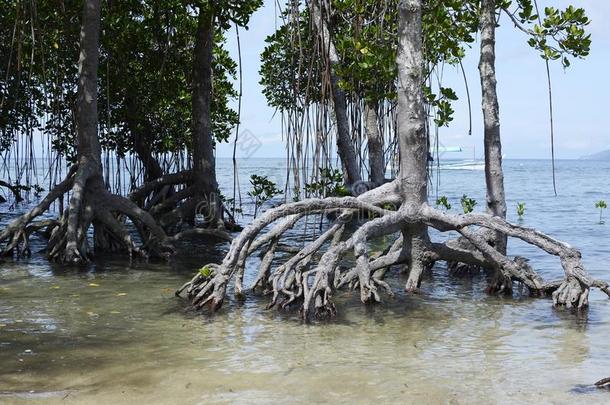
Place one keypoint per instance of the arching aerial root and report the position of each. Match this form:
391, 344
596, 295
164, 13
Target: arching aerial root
13, 189
90, 204
307, 280
173, 208
604, 382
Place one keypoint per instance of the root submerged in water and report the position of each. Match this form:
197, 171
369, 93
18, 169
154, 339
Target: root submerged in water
309, 282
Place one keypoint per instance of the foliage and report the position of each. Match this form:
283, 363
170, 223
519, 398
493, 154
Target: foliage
36, 188
364, 33
228, 202
39, 54
559, 33
228, 12
286, 72
449, 27
330, 183
205, 271
443, 201
262, 191
468, 204
601, 205
442, 104
364, 38
145, 72
520, 209
296, 194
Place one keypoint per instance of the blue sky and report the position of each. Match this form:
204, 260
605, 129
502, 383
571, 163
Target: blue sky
580, 93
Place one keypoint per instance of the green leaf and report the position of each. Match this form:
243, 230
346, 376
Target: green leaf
205, 271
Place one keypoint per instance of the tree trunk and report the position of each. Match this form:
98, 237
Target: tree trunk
152, 168
88, 145
375, 145
494, 176
345, 146
412, 140
89, 174
91, 203
204, 162
141, 135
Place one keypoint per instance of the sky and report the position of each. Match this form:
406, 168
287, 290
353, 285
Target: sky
579, 93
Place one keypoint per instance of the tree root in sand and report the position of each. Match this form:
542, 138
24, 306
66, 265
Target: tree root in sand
308, 284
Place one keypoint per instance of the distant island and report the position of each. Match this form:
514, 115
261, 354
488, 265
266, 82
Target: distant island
604, 155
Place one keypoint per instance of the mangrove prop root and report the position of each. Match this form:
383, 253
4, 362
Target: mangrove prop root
603, 382
172, 210
13, 189
90, 204
310, 280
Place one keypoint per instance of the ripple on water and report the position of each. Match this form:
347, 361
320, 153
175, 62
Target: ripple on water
114, 333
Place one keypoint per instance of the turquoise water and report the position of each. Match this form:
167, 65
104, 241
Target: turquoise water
114, 333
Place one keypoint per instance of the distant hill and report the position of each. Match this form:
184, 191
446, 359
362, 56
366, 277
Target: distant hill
604, 155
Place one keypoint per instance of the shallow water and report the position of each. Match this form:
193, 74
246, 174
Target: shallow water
114, 332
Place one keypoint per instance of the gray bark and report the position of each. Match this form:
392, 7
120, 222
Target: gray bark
142, 136
142, 148
204, 162
88, 144
494, 176
412, 139
91, 202
345, 146
411, 116
374, 145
